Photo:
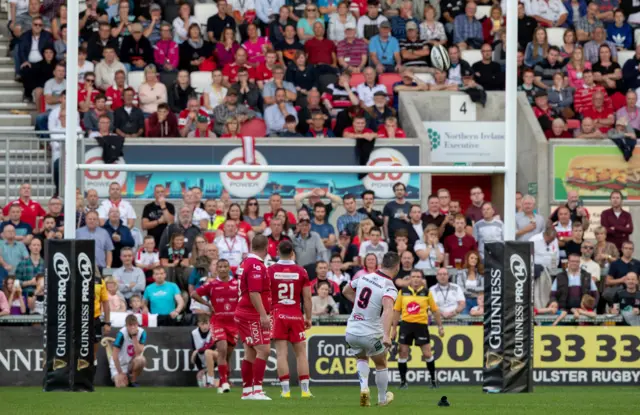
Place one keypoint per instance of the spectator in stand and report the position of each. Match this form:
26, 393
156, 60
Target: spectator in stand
122, 20
339, 21
577, 211
130, 279
537, 49
458, 244
320, 225
450, 10
630, 111
620, 32
588, 129
230, 71
547, 14
586, 25
528, 223
129, 119
24, 231
24, 15
571, 285
617, 222
103, 243
12, 295
114, 92
151, 92
231, 108
608, 73
339, 95
305, 27
563, 226
163, 298
414, 51
87, 95
323, 303
29, 64
399, 23
390, 129
415, 230
321, 52
475, 209
583, 98
348, 251
374, 245
276, 235
195, 52
576, 10
302, 76
577, 68
232, 247
368, 199
396, 213
408, 82
543, 112
322, 271
621, 130
494, 25
55, 211
317, 128
183, 24
308, 245
627, 301
433, 215
255, 46
31, 211
384, 50
429, 250
467, 30
136, 51
119, 233
252, 215
107, 68
577, 238
376, 114
545, 70
98, 41
12, 252
264, 72
488, 73
180, 93
631, 70
279, 24
127, 213
592, 48
471, 279
157, 214
546, 251
526, 26
215, 93
352, 52
27, 269
369, 24
558, 130
431, 29
619, 268
60, 45
288, 47
369, 265
561, 96
219, 22
458, 65
275, 204
602, 116
450, 305
151, 21
184, 225
188, 117
226, 48
84, 65
203, 128
351, 218
309, 116
366, 91
440, 82
278, 81
166, 53
488, 229
163, 123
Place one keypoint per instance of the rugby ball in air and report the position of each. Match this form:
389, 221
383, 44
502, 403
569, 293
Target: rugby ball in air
440, 58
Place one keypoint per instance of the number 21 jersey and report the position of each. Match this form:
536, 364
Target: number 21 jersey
365, 319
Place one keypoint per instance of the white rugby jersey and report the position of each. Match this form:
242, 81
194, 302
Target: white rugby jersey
125, 344
366, 317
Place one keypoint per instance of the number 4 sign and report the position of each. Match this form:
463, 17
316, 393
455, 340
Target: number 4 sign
462, 108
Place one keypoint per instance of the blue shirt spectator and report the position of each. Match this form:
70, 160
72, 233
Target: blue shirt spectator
384, 49
571, 18
267, 8
399, 26
274, 116
621, 36
22, 228
123, 236
323, 229
12, 253
469, 30
161, 298
103, 243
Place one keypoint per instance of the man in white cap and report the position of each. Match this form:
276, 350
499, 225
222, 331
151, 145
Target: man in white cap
352, 51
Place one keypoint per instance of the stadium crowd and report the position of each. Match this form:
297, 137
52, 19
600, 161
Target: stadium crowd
190, 245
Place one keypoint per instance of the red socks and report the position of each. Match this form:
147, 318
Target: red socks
247, 375
223, 371
259, 366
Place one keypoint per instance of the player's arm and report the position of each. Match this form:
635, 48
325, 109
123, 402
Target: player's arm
387, 317
256, 301
306, 297
138, 345
116, 361
195, 295
436, 314
349, 292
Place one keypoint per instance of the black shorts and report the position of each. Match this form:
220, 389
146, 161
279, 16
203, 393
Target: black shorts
414, 333
97, 336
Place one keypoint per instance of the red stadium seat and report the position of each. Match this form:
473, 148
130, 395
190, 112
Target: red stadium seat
356, 79
146, 127
254, 128
573, 124
388, 79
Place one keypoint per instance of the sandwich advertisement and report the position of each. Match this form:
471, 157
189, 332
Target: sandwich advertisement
594, 172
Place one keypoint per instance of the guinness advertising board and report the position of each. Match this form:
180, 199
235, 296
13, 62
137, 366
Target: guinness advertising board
508, 319
69, 304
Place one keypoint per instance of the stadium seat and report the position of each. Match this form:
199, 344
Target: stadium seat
146, 127
254, 128
135, 79
388, 79
472, 56
625, 55
482, 12
555, 35
356, 79
202, 12
573, 124
200, 81
424, 77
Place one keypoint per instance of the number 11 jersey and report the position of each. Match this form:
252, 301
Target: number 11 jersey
366, 317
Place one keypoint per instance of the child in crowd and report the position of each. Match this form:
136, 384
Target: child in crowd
136, 304
148, 258
117, 303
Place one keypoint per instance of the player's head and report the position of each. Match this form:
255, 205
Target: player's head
222, 269
285, 250
259, 245
159, 275
417, 278
203, 322
391, 264
131, 323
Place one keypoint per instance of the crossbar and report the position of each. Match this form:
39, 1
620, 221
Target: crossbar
242, 168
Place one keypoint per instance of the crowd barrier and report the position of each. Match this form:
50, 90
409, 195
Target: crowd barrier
563, 355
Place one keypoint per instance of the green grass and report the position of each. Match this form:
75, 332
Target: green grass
327, 401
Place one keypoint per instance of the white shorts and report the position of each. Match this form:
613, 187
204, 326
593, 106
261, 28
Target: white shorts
124, 365
371, 346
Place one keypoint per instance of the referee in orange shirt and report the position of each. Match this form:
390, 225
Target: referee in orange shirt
413, 304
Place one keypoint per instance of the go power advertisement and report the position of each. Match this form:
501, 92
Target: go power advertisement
139, 185
562, 356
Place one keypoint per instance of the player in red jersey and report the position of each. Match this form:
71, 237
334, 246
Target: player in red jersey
252, 319
223, 300
290, 283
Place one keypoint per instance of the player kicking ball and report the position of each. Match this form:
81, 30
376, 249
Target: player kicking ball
252, 320
369, 326
204, 354
223, 300
289, 283
413, 304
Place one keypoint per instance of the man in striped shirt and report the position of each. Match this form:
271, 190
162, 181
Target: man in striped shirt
352, 52
414, 51
583, 98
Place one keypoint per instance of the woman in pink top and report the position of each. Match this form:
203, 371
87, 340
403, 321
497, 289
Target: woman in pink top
255, 46
165, 52
577, 65
226, 48
151, 92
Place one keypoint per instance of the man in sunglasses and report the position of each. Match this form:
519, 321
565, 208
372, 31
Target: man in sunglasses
30, 52
546, 251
